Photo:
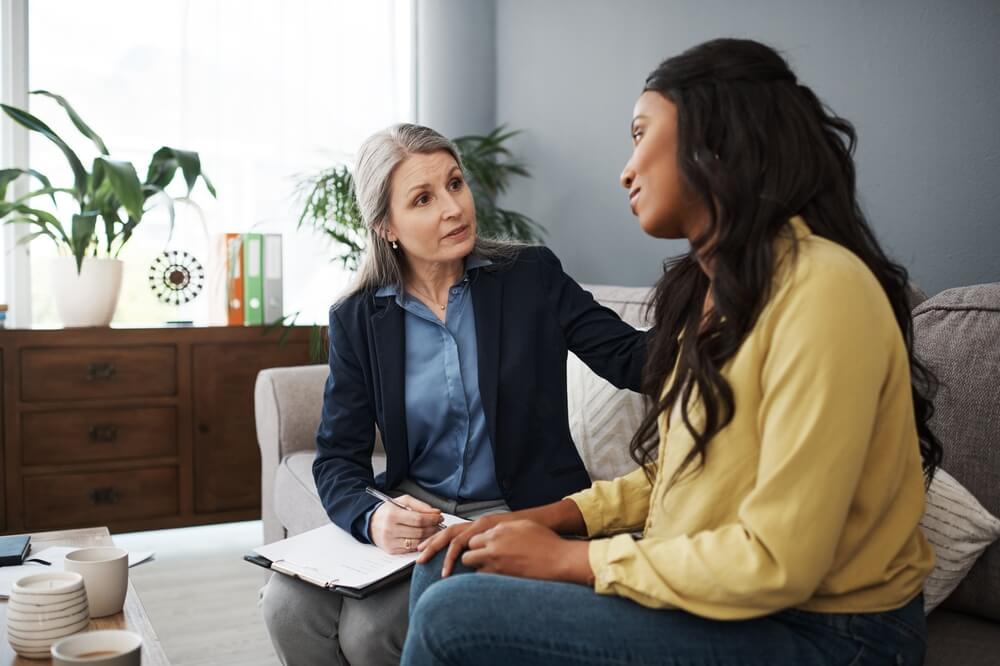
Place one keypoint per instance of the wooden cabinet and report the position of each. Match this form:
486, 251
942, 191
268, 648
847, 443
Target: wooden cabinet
133, 428
226, 463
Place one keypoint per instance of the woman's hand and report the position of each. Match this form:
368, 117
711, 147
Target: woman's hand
563, 516
526, 549
456, 538
396, 530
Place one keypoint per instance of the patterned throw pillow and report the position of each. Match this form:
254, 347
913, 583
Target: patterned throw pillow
602, 420
959, 529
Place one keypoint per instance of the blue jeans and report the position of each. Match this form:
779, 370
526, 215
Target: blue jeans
490, 619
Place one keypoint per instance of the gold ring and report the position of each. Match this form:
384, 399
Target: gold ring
408, 544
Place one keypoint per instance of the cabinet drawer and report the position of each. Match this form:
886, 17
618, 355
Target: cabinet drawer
84, 435
99, 498
93, 373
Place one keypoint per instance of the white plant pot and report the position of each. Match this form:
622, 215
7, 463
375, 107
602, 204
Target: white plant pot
90, 297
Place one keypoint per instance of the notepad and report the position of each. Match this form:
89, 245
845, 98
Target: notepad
330, 557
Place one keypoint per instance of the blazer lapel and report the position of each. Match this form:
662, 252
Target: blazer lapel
487, 295
389, 333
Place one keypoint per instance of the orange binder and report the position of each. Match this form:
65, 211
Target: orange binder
234, 279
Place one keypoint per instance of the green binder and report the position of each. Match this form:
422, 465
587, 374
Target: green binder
253, 279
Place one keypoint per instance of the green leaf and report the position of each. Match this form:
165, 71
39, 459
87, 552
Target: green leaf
165, 163
32, 236
83, 234
77, 120
318, 349
162, 167
149, 190
125, 183
7, 176
32, 123
110, 219
51, 191
190, 165
126, 233
208, 185
35, 216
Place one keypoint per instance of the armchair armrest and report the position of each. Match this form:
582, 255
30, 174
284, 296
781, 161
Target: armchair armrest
288, 403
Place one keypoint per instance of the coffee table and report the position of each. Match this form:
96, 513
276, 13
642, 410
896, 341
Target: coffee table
133, 616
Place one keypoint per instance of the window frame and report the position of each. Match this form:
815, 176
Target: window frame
14, 152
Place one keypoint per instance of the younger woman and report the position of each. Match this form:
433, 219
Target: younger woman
779, 514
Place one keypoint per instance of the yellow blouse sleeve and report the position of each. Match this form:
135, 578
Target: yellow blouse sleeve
619, 505
826, 350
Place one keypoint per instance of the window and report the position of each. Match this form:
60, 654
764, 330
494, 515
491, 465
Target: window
263, 90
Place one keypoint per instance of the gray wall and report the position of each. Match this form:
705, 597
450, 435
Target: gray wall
456, 57
918, 78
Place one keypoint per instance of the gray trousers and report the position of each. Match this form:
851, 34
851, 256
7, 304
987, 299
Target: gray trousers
311, 626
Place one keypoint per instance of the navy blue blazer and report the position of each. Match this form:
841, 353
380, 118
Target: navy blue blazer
528, 314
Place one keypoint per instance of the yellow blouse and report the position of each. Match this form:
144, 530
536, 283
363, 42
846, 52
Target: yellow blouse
811, 496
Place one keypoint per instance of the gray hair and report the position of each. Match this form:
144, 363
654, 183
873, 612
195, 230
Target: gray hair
376, 162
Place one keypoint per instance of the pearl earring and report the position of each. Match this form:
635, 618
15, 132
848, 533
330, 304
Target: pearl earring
394, 246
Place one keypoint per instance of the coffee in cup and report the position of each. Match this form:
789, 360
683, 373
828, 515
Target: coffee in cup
108, 647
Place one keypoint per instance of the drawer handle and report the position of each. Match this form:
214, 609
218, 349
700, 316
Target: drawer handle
103, 433
104, 496
101, 371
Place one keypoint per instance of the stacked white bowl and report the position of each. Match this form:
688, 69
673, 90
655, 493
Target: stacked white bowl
44, 608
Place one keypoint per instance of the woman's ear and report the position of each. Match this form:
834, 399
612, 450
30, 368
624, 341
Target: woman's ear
386, 233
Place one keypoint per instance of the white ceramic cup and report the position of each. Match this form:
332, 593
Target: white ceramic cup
108, 647
105, 574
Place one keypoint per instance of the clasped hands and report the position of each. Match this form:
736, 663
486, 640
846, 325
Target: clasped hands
510, 545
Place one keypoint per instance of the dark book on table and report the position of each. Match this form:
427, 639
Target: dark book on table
13, 550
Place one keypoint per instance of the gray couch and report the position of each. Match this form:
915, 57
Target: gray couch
957, 332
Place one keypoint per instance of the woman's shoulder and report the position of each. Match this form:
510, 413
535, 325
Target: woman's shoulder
823, 265
352, 309
526, 257
821, 278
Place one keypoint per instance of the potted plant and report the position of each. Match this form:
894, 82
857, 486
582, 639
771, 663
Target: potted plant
111, 201
330, 206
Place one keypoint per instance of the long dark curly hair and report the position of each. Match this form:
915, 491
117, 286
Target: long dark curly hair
756, 147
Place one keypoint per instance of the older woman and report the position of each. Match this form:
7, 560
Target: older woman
454, 347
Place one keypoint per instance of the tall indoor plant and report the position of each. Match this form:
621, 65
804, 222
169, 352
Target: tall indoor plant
330, 206
110, 201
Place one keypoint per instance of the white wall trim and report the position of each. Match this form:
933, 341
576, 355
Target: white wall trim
14, 153
414, 65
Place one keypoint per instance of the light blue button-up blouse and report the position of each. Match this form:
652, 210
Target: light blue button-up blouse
450, 451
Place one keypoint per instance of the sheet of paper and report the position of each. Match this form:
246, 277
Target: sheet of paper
330, 556
56, 556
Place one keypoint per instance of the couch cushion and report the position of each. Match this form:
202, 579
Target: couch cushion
628, 302
296, 501
956, 638
602, 420
959, 529
956, 333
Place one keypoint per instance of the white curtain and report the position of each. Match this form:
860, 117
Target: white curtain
264, 90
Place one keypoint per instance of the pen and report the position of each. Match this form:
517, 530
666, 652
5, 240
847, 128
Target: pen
385, 498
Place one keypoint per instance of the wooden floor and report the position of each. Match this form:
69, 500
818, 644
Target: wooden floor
201, 597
